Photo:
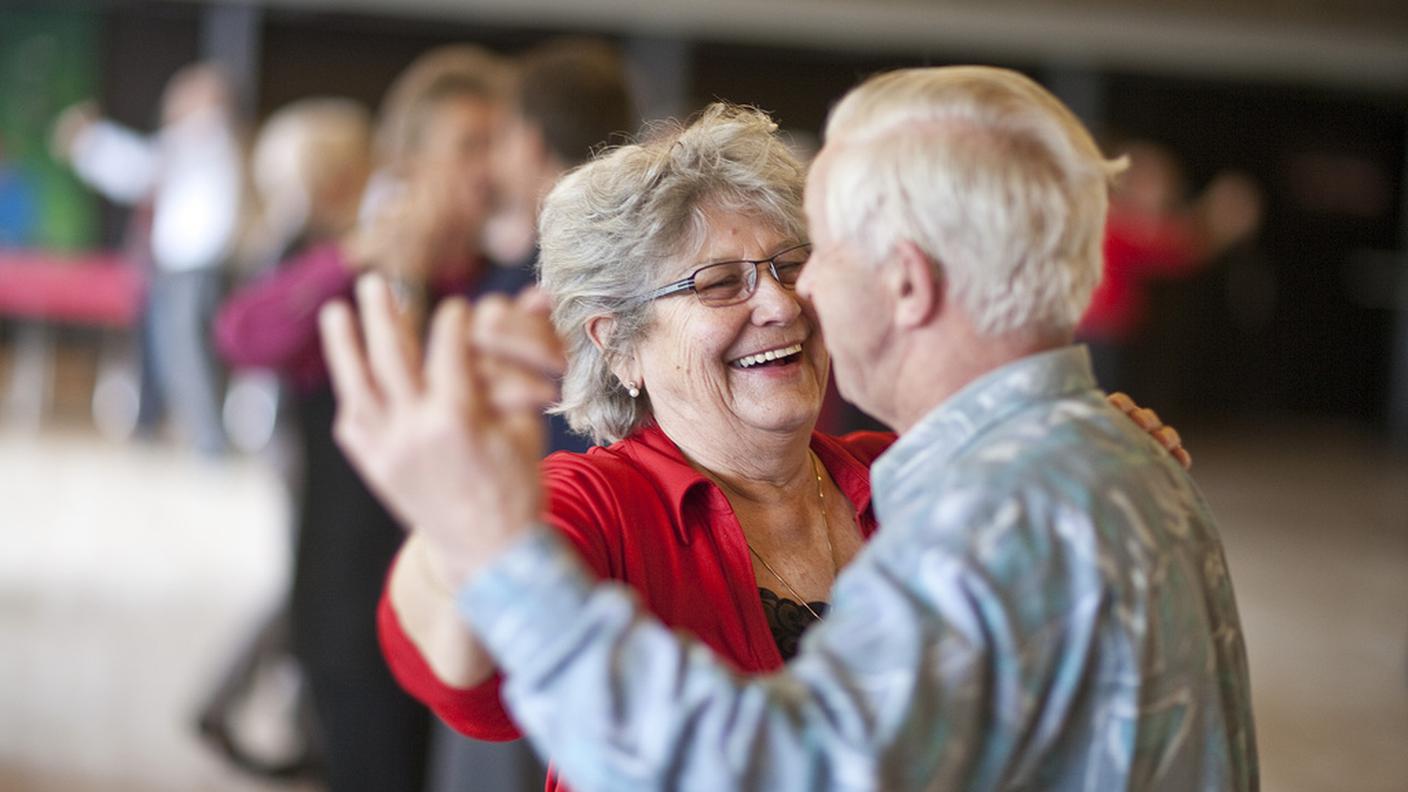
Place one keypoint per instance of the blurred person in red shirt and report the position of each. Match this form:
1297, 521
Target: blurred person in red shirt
1153, 232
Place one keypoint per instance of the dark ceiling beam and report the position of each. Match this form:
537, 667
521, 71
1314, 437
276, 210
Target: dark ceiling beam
1191, 42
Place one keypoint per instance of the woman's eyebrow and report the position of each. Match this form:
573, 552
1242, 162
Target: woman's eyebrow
739, 257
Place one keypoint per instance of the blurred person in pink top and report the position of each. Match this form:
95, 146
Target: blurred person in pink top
419, 224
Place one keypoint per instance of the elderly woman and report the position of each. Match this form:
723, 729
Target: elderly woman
671, 265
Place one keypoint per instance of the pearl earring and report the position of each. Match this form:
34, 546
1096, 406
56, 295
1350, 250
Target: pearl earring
631, 389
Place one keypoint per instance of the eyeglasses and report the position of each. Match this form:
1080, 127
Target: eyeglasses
731, 282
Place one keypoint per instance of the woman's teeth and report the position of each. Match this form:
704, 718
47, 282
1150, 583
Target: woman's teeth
765, 357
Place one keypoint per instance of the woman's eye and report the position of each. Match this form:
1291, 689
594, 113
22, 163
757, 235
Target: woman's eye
719, 284
789, 271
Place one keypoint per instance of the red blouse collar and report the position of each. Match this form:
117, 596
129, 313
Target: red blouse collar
654, 451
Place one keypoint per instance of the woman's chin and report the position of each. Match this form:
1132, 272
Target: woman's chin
799, 417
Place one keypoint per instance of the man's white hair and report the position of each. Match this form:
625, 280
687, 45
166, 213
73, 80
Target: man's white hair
988, 174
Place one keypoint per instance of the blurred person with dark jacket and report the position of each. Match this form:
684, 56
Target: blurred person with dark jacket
309, 165
568, 98
192, 174
420, 225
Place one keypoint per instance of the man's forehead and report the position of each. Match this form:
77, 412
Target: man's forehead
816, 173
814, 195
822, 163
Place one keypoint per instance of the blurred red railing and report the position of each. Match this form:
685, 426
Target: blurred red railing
96, 288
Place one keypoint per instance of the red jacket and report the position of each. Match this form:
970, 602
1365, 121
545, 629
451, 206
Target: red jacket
1138, 250
637, 512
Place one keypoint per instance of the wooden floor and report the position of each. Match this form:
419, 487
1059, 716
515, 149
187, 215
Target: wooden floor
129, 572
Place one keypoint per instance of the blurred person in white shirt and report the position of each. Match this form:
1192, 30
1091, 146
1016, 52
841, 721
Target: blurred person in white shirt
191, 173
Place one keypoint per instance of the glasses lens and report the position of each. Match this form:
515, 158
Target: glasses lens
722, 283
789, 264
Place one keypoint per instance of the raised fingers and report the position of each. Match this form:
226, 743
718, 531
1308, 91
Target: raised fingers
534, 300
519, 333
514, 389
357, 395
390, 347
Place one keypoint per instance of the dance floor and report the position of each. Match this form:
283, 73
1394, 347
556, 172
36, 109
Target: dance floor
129, 573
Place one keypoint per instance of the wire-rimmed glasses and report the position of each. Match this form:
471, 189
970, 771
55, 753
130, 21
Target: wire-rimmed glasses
731, 282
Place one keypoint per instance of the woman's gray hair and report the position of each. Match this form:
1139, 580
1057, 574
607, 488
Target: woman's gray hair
617, 227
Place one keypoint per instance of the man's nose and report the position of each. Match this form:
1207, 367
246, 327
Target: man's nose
804, 284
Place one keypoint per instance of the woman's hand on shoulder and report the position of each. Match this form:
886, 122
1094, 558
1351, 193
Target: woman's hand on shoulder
1148, 420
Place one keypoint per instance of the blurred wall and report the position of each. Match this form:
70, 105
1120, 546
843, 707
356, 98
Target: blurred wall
1309, 98
48, 59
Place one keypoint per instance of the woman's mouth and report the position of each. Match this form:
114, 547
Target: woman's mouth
771, 357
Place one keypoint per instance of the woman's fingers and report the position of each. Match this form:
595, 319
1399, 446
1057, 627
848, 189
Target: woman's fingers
1168, 437
515, 389
534, 300
521, 336
1121, 401
1149, 421
449, 368
390, 348
498, 356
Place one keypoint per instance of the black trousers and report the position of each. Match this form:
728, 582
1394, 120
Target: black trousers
374, 736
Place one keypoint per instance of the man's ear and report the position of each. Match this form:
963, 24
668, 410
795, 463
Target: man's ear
915, 285
600, 329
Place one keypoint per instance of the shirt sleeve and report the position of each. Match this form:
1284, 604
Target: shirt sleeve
196, 212
883, 695
574, 503
116, 161
475, 712
272, 322
953, 657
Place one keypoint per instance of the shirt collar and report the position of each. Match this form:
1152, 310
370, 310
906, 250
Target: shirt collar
679, 482
942, 433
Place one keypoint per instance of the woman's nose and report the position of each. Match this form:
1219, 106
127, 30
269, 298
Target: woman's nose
771, 301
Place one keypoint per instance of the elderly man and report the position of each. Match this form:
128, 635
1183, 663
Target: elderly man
1046, 604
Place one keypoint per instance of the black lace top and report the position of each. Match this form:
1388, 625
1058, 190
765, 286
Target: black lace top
788, 619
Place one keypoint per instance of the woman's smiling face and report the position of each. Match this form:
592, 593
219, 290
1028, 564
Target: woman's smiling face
698, 362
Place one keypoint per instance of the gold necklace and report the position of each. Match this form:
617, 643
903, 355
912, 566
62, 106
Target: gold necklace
825, 532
